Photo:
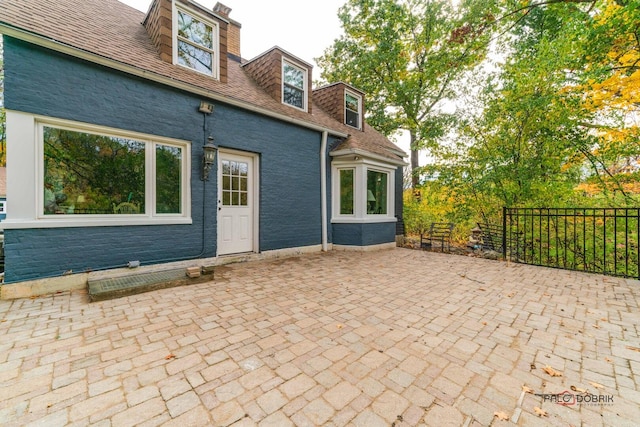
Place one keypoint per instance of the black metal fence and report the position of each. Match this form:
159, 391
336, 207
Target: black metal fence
597, 240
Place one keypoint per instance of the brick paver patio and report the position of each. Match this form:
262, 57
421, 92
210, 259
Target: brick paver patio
389, 338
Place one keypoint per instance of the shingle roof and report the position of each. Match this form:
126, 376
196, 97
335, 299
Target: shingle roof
114, 31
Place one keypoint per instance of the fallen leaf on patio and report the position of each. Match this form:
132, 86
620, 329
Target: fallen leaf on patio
546, 294
579, 390
339, 326
482, 289
511, 295
502, 416
527, 389
596, 326
170, 356
549, 370
540, 412
596, 385
484, 323
604, 319
633, 348
607, 359
228, 290
533, 366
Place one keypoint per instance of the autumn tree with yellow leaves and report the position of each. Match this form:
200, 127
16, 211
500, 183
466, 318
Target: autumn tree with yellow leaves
559, 111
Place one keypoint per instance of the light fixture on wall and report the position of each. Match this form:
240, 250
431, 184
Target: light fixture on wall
205, 107
208, 157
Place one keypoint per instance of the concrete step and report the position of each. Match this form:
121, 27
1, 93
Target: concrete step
116, 287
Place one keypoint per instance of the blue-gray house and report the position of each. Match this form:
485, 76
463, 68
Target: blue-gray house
113, 118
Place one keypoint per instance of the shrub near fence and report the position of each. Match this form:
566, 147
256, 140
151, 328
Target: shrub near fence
598, 240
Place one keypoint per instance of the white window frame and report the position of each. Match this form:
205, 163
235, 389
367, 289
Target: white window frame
361, 167
305, 84
337, 191
26, 176
359, 98
215, 51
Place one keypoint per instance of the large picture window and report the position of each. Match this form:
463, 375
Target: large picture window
196, 43
293, 85
94, 173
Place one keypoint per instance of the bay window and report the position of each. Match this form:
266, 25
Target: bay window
364, 191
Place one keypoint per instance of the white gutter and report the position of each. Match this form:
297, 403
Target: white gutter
153, 76
323, 190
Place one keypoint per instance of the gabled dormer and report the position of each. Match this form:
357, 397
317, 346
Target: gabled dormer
286, 78
189, 35
343, 102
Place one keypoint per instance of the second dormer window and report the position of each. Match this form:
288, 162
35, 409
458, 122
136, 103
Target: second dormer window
196, 43
294, 85
352, 110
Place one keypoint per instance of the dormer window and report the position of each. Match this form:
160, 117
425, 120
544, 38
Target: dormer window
196, 43
294, 84
352, 109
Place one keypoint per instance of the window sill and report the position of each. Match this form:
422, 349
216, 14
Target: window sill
92, 222
370, 219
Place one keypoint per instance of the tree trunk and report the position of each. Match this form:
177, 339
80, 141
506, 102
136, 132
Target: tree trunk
415, 177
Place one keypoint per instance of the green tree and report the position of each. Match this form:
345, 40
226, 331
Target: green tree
406, 55
534, 132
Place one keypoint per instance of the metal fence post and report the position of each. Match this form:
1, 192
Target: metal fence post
504, 232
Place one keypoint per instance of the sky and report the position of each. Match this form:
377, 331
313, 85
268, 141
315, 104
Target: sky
303, 28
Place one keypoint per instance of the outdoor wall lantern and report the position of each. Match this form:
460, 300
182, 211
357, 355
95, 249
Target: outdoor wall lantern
208, 157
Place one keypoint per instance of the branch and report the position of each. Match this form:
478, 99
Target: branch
593, 160
544, 3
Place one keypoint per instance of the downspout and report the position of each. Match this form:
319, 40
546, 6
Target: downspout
323, 189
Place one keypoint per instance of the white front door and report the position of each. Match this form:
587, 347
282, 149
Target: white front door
236, 199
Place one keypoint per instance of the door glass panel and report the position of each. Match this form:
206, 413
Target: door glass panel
235, 183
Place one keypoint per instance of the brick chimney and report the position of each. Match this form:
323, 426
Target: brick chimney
233, 30
222, 10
